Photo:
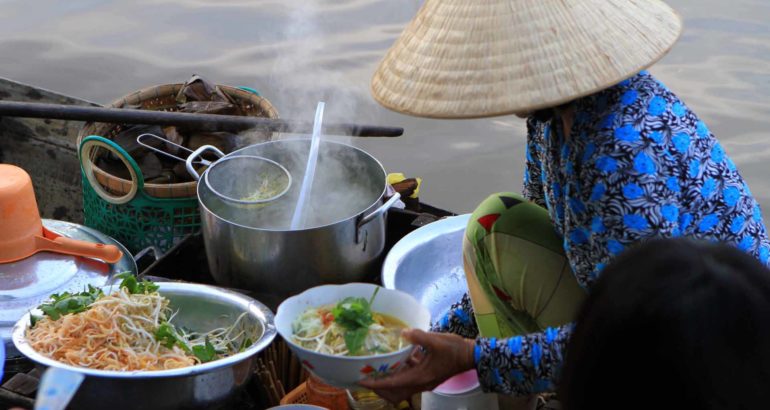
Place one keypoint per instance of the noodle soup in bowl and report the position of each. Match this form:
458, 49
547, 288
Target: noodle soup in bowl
380, 353
204, 385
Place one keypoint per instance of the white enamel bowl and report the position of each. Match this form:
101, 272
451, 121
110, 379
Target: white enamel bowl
344, 371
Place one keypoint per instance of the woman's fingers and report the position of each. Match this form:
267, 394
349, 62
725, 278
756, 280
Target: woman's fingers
405, 378
456, 351
394, 396
418, 337
396, 391
398, 395
445, 356
416, 356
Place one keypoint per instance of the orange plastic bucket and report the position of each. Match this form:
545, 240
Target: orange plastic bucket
23, 233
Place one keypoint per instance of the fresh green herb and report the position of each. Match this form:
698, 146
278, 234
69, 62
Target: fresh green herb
352, 313
135, 287
246, 344
167, 335
355, 316
33, 319
374, 295
206, 352
355, 338
66, 303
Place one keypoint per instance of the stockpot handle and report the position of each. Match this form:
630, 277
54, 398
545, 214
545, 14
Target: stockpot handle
376, 214
197, 153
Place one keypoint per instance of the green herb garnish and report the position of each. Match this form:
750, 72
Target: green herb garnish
355, 316
167, 335
135, 287
66, 303
355, 338
246, 344
206, 352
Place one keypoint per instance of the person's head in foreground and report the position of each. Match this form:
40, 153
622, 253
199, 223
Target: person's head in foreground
673, 324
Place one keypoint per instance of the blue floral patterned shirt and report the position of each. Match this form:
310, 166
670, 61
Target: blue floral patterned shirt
637, 164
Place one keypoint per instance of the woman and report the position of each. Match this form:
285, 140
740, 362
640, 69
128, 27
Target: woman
618, 159
694, 315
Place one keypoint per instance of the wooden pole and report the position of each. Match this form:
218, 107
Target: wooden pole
203, 122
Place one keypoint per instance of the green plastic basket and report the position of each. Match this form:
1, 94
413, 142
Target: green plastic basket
136, 220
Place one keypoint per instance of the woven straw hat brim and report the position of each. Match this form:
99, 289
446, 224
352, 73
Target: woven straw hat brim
481, 58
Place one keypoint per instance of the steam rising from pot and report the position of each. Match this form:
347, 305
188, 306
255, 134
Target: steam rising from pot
342, 186
347, 182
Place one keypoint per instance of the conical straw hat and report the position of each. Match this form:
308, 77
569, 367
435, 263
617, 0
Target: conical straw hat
480, 58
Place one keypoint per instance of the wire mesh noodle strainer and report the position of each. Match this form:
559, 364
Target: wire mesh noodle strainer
248, 180
240, 179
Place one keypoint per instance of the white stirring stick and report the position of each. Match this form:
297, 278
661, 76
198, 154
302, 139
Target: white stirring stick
2, 360
57, 387
307, 183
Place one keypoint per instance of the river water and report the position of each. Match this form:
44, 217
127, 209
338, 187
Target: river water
297, 52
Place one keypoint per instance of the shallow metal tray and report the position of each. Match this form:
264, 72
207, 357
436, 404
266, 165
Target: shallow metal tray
428, 265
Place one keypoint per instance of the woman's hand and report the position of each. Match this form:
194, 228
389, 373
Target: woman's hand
444, 356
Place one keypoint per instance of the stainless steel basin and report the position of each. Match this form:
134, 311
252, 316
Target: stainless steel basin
428, 265
204, 386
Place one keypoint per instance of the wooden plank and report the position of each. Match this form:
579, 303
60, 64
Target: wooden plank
46, 149
23, 384
9, 399
34, 373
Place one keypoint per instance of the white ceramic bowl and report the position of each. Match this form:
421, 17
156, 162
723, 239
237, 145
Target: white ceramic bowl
343, 371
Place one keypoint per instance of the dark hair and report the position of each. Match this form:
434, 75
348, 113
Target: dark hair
547, 114
673, 324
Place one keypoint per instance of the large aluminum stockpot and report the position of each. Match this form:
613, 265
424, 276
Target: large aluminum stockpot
252, 247
204, 386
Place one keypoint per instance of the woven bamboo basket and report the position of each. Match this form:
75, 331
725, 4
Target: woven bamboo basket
163, 98
296, 396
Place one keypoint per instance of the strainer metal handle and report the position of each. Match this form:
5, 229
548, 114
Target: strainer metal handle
197, 153
167, 142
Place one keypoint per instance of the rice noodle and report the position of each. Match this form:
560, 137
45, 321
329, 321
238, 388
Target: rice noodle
117, 332
312, 331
